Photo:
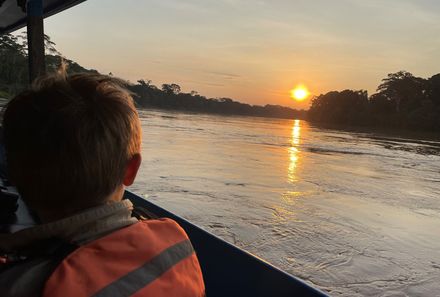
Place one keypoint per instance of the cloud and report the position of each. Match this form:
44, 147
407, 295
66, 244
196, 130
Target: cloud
224, 74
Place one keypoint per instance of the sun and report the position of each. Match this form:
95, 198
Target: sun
299, 93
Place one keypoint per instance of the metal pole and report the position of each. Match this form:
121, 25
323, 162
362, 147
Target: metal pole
35, 36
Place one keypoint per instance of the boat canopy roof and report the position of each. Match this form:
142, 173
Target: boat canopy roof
13, 12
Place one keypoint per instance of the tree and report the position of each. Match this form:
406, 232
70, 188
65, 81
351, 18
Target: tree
403, 89
49, 45
381, 104
171, 88
144, 83
13, 61
433, 89
346, 107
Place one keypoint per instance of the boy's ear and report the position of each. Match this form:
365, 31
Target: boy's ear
131, 170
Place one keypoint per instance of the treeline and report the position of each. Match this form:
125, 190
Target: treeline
402, 101
169, 96
14, 75
14, 78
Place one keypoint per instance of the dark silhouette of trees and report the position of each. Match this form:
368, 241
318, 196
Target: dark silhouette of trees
49, 45
171, 97
346, 107
433, 90
14, 67
171, 88
403, 89
402, 101
381, 104
14, 63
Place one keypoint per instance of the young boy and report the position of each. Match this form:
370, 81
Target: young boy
72, 146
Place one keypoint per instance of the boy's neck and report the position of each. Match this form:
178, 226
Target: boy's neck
50, 216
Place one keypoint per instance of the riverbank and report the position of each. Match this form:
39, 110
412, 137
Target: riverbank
379, 131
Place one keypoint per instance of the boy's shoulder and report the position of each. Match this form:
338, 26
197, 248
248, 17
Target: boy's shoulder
130, 259
144, 237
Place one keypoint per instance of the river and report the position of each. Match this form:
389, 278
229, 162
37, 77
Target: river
354, 214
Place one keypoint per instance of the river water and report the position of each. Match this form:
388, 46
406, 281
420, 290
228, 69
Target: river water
354, 214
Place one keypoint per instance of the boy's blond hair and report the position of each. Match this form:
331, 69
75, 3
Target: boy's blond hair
68, 140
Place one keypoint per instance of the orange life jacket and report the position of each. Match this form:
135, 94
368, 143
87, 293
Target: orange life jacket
148, 258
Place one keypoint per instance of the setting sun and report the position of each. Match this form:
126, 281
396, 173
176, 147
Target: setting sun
299, 93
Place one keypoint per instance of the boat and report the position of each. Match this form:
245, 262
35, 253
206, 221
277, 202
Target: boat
227, 269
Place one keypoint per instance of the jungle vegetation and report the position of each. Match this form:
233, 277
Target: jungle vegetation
402, 100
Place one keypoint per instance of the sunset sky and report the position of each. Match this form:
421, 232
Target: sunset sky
253, 51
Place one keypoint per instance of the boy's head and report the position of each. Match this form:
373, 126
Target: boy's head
71, 142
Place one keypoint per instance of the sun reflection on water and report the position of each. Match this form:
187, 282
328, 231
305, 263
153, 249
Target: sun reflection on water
293, 151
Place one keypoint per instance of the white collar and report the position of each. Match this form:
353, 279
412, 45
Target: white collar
80, 228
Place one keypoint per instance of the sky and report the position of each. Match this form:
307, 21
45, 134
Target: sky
254, 51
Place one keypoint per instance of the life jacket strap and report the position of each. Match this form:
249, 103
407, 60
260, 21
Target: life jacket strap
137, 279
